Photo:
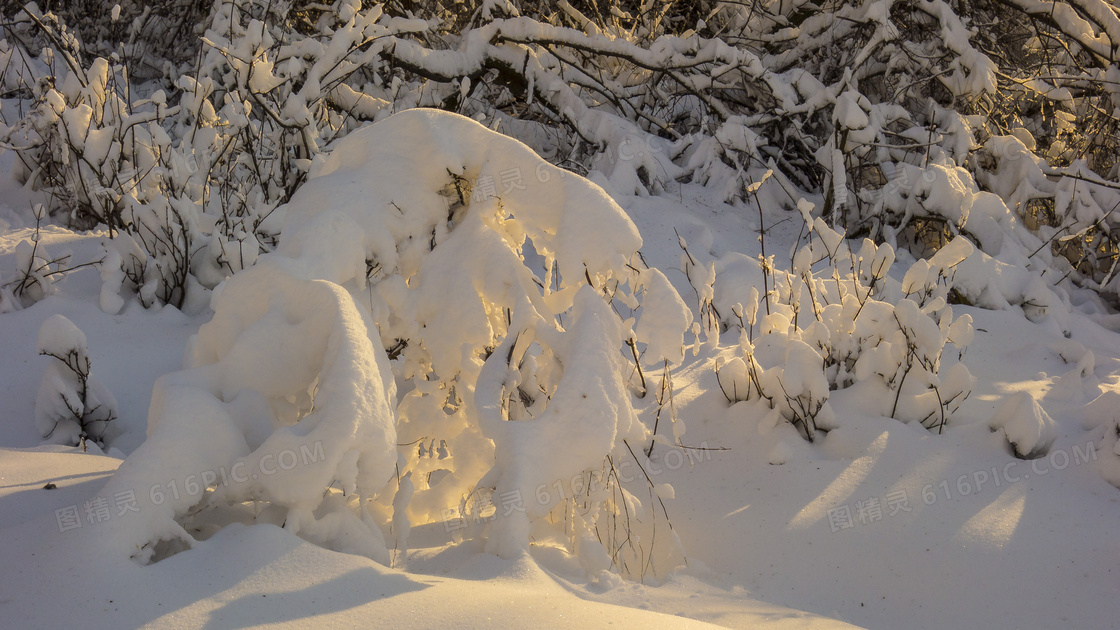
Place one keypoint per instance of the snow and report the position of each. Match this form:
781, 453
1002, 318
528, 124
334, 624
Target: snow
848, 113
665, 317
72, 404
1025, 424
944, 527
244, 405
59, 336
257, 576
1099, 41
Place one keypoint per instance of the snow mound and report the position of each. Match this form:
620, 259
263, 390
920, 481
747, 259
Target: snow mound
1025, 424
286, 397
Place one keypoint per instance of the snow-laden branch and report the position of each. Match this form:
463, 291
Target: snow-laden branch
1093, 24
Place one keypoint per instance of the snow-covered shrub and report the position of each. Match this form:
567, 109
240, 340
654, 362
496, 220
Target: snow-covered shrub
105, 160
1025, 425
35, 273
148, 34
72, 406
894, 117
495, 307
842, 327
192, 179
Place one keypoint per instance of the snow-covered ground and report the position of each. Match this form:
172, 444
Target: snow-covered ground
877, 523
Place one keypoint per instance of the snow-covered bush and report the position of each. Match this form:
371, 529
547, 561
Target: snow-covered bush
896, 117
147, 34
1025, 425
191, 180
35, 273
72, 406
843, 326
496, 311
